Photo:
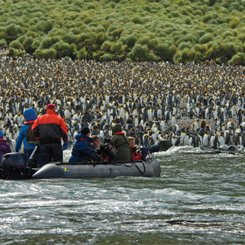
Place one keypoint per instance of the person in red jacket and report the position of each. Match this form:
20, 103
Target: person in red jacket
51, 130
136, 154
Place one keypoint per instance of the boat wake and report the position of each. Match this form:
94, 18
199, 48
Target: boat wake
231, 150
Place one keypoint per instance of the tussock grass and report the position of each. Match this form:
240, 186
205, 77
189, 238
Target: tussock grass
137, 30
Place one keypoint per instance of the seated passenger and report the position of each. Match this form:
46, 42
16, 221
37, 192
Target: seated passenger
104, 151
83, 149
4, 145
135, 150
120, 142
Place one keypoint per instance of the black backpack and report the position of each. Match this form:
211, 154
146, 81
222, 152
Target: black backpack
30, 136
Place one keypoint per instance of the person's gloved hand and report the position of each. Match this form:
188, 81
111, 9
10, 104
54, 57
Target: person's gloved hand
65, 146
99, 159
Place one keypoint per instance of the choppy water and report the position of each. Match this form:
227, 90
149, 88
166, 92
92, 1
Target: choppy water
199, 199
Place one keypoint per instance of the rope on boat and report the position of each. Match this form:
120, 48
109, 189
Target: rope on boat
141, 172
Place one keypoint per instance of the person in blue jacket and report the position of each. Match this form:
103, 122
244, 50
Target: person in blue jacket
26, 135
83, 150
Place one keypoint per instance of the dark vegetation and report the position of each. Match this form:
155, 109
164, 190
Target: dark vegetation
137, 30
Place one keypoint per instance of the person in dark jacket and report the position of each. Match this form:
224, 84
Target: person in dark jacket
120, 142
105, 151
51, 130
25, 134
4, 145
83, 150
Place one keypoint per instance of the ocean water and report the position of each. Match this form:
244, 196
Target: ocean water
199, 199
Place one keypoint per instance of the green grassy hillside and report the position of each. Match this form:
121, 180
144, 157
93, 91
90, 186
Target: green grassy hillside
169, 30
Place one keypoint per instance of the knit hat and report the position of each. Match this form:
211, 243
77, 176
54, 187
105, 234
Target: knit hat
85, 131
30, 114
1, 134
50, 107
116, 128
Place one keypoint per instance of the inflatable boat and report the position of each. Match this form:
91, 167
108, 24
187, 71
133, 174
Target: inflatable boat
13, 167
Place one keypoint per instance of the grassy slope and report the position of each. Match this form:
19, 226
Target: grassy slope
181, 29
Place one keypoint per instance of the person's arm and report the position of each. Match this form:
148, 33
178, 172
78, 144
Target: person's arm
94, 156
35, 128
113, 141
8, 148
87, 150
19, 139
63, 130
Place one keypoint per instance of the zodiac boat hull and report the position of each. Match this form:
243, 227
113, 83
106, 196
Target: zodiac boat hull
13, 167
148, 168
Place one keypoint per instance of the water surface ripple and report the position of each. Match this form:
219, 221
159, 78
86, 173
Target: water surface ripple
199, 199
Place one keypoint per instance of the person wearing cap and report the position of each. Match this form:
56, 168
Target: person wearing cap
120, 142
4, 145
25, 135
51, 130
83, 150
